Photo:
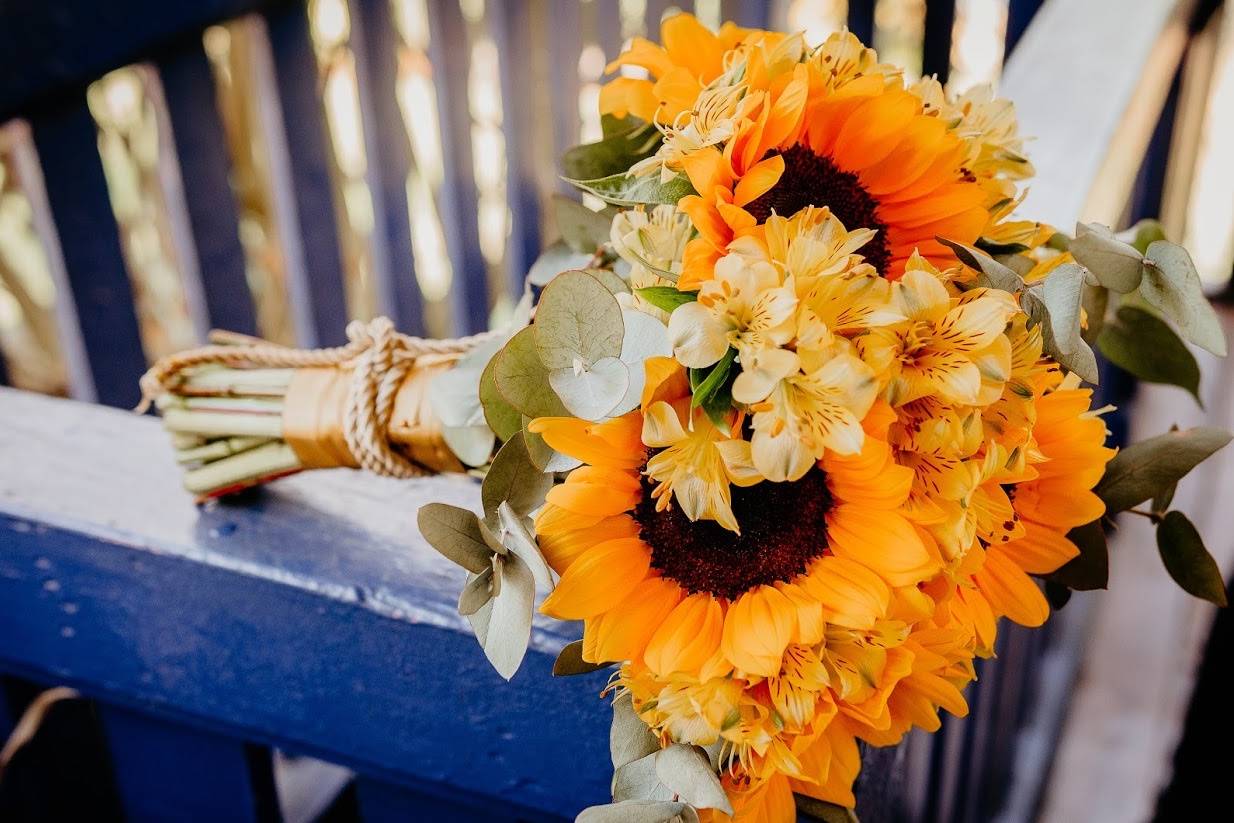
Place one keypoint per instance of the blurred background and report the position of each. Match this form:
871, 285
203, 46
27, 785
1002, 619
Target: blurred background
279, 168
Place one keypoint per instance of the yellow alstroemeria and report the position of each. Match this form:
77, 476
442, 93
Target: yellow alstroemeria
691, 468
747, 306
806, 414
951, 347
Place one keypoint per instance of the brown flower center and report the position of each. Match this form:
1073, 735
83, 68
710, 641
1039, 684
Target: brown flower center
810, 179
783, 528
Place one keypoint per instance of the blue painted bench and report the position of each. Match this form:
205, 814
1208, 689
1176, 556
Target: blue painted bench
311, 619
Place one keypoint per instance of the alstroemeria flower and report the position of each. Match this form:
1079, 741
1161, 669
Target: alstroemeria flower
747, 306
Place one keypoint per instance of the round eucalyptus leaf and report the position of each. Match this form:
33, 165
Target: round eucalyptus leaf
522, 379
577, 319
1172, 286
687, 771
591, 393
471, 444
1117, 265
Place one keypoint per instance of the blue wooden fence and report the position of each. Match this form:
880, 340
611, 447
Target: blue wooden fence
313, 619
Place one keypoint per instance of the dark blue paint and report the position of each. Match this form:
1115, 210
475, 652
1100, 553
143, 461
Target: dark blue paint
169, 772
313, 619
375, 40
510, 26
381, 802
936, 41
1019, 14
201, 149
67, 143
450, 53
295, 68
861, 20
51, 49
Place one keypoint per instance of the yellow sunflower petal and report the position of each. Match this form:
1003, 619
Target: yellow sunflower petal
687, 638
757, 629
599, 579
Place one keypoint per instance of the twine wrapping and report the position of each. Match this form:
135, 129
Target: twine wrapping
382, 365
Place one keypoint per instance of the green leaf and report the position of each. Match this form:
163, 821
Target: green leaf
582, 229
1057, 594
522, 379
666, 298
1188, 562
1091, 568
501, 417
555, 259
514, 479
615, 154
1060, 297
639, 811
509, 625
477, 593
629, 738
705, 383
1172, 286
824, 811
570, 661
636, 189
455, 532
994, 248
1145, 346
1144, 470
1143, 234
993, 273
687, 771
1116, 265
577, 319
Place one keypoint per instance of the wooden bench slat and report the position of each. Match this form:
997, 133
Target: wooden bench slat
66, 139
450, 54
205, 167
308, 158
165, 771
313, 617
375, 41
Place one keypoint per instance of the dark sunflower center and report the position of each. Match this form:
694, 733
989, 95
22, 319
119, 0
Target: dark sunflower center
782, 530
810, 179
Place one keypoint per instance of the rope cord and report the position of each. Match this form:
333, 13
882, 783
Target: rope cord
378, 356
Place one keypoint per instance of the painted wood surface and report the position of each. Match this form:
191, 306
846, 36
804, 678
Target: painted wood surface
311, 616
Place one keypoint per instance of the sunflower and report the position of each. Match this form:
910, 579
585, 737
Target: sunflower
760, 124
682, 595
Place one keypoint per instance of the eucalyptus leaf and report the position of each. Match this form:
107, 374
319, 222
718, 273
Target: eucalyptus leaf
666, 298
555, 259
473, 445
993, 273
610, 279
645, 337
1187, 560
1091, 568
593, 392
577, 319
517, 537
824, 811
1172, 286
514, 479
1143, 234
455, 532
1061, 295
501, 417
636, 189
629, 738
509, 627
477, 592
687, 771
616, 153
1145, 346
570, 661
1096, 302
1117, 265
639, 781
522, 379
639, 811
1145, 469
582, 229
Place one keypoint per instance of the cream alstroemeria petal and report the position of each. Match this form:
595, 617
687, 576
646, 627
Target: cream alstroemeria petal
661, 426
698, 335
973, 325
739, 462
761, 370
781, 456
921, 296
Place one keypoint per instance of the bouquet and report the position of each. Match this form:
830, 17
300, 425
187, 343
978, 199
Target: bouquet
794, 420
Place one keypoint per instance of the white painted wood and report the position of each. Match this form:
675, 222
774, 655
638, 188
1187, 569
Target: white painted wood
1084, 72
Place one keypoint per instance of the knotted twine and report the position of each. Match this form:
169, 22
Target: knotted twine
378, 357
